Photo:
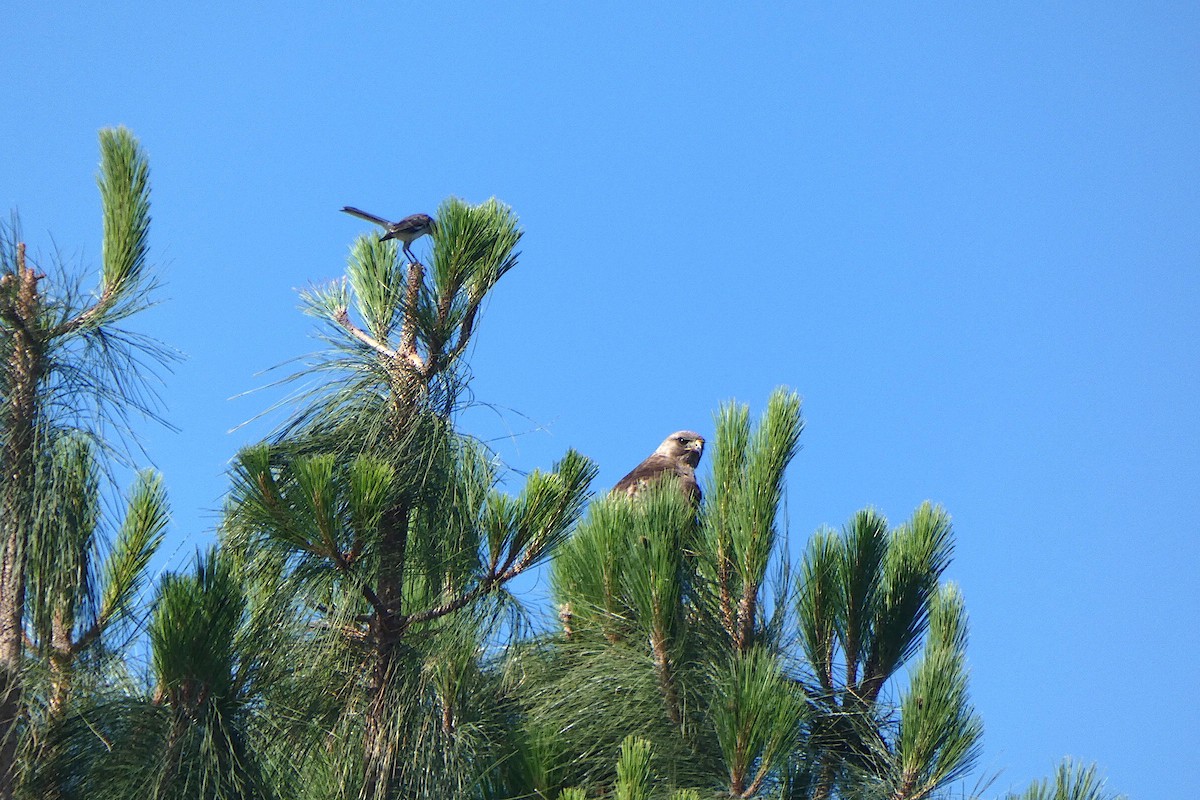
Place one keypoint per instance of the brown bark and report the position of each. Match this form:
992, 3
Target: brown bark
666, 677
737, 779
411, 375
746, 612
387, 629
20, 310
62, 656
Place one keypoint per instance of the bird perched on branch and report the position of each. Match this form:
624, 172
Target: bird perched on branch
677, 456
406, 231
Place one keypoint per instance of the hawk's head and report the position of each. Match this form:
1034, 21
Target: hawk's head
685, 446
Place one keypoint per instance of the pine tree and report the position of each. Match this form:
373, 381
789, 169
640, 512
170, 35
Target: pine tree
352, 636
666, 635
78, 595
67, 366
383, 525
1072, 781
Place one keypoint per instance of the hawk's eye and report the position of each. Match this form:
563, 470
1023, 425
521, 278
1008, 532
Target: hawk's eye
681, 440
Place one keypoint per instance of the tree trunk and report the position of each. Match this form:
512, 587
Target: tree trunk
62, 660
12, 604
16, 479
387, 628
666, 678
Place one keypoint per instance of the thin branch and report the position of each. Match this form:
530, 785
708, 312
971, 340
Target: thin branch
464, 331
375, 602
511, 571
342, 564
343, 319
83, 318
483, 587
89, 636
757, 783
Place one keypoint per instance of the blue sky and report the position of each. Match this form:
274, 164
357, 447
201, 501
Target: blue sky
967, 236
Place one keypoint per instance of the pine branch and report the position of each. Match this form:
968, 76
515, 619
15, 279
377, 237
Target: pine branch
430, 614
124, 183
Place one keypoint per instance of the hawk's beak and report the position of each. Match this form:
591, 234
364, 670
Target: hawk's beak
698, 446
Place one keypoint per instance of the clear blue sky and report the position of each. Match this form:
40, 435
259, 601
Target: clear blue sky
967, 236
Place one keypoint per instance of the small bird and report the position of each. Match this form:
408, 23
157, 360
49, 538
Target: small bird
678, 455
406, 231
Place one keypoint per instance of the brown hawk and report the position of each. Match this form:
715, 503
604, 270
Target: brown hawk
678, 455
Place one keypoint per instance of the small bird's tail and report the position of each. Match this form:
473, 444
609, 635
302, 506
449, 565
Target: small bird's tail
358, 212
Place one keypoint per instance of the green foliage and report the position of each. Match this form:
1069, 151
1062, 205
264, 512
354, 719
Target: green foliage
521, 533
661, 618
819, 604
75, 609
71, 379
869, 592
60, 582
193, 737
63, 353
585, 576
1072, 781
624, 567
940, 734
138, 539
743, 497
474, 246
325, 519
192, 634
353, 636
917, 555
757, 714
633, 770
310, 505
655, 581
867, 600
385, 528
124, 183
376, 278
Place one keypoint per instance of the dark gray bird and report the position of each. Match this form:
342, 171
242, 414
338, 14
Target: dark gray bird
677, 456
406, 231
